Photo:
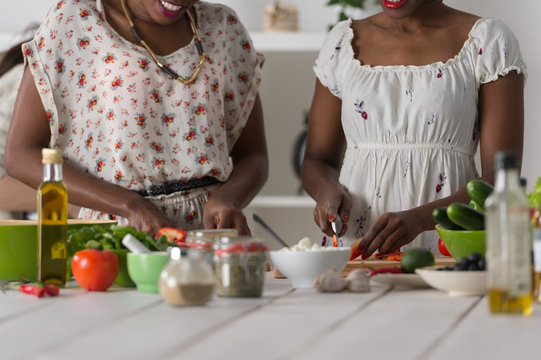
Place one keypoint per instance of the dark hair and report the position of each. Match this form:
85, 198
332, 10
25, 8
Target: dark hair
14, 55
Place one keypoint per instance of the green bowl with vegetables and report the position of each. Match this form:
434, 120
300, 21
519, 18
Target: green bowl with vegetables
18, 246
462, 243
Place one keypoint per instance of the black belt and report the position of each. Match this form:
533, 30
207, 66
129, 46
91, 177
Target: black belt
170, 188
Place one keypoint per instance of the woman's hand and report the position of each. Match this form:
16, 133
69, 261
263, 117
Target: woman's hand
332, 202
221, 215
148, 218
391, 231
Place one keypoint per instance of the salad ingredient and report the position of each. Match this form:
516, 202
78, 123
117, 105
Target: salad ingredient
173, 235
442, 248
386, 270
32, 290
479, 190
330, 281
357, 281
465, 216
95, 270
416, 257
440, 215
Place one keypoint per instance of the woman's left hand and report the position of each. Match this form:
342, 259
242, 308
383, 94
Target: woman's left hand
390, 232
221, 215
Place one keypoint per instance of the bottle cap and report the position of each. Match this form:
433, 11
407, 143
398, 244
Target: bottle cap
51, 156
505, 160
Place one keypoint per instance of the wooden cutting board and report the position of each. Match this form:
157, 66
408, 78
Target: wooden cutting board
372, 264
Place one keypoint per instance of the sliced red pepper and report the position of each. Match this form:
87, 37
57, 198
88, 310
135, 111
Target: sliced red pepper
32, 290
386, 270
356, 249
395, 256
334, 241
172, 234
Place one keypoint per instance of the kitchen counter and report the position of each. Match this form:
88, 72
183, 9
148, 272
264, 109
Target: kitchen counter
284, 324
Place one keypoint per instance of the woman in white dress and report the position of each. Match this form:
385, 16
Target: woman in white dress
409, 93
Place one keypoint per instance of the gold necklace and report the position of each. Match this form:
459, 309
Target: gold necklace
165, 68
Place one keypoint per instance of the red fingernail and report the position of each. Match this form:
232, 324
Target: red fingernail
364, 256
346, 218
331, 218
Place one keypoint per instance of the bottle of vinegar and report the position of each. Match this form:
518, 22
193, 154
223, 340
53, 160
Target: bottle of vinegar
52, 220
508, 241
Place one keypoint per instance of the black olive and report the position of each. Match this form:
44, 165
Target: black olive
473, 267
475, 257
481, 264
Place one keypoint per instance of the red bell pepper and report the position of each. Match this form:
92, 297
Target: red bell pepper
386, 270
172, 234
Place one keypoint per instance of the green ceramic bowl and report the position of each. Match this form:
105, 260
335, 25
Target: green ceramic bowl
145, 269
123, 279
461, 243
18, 247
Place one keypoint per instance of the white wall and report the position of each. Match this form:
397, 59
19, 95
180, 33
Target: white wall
288, 85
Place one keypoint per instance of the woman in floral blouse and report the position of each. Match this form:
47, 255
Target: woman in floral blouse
158, 128
410, 93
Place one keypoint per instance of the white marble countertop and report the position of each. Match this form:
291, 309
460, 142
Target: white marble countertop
284, 324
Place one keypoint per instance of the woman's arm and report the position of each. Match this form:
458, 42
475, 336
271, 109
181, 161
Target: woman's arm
250, 172
29, 132
325, 147
501, 115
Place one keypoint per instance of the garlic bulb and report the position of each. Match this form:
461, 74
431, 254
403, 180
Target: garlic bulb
358, 281
330, 281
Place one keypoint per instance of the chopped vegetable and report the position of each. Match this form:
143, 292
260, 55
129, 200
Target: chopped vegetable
534, 198
386, 270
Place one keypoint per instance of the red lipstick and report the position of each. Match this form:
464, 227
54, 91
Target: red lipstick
394, 4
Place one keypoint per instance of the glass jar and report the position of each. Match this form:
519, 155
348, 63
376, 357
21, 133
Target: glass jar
239, 266
202, 240
186, 280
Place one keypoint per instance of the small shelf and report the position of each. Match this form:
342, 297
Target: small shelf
288, 41
277, 201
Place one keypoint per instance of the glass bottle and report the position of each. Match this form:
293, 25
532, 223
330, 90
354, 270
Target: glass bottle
508, 241
536, 223
186, 280
52, 220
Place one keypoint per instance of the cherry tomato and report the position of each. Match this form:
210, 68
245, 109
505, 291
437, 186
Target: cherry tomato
95, 270
442, 248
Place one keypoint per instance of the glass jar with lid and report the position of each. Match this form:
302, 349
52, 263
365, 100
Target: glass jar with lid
239, 266
202, 240
186, 280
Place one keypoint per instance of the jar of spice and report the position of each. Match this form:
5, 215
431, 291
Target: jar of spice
239, 266
204, 239
186, 280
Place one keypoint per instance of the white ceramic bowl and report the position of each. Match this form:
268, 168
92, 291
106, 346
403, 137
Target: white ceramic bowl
456, 283
303, 267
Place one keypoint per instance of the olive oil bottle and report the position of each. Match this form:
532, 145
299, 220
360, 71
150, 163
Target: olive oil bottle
508, 241
52, 220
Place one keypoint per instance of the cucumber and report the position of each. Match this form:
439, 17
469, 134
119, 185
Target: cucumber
440, 215
479, 190
465, 216
476, 206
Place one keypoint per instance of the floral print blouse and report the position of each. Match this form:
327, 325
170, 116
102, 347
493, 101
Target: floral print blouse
118, 117
412, 131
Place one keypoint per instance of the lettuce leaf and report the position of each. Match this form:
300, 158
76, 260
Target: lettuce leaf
534, 198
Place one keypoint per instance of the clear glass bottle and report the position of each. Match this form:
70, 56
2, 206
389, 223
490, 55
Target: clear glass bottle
239, 266
508, 241
186, 280
52, 220
536, 222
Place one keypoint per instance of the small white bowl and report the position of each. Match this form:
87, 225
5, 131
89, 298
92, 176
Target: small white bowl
456, 283
303, 267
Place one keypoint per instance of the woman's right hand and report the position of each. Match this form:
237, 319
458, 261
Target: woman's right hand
332, 202
145, 216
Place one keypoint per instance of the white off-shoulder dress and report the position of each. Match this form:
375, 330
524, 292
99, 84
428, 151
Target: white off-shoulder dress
411, 131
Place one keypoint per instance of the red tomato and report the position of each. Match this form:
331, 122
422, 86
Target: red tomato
442, 248
95, 270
